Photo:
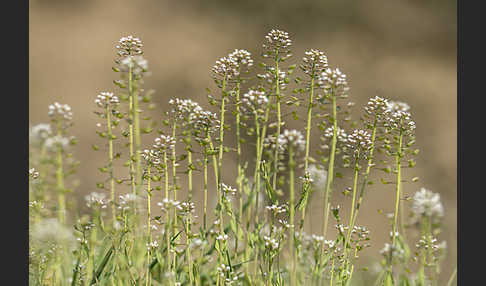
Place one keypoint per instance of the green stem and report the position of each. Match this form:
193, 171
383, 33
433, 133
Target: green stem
279, 120
110, 164
149, 233
292, 214
398, 156
60, 180
307, 148
130, 130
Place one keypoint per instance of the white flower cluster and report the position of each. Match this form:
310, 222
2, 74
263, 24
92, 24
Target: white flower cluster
152, 157
361, 233
137, 64
277, 209
54, 142
341, 134
129, 46
427, 204
377, 106
292, 138
40, 132
166, 204
127, 200
229, 67
269, 77
270, 243
96, 200
105, 99
359, 140
152, 245
394, 106
314, 62
59, 111
277, 41
242, 58
222, 237
33, 173
399, 118
188, 207
317, 176
253, 102
392, 251
430, 242
228, 191
225, 272
334, 81
164, 143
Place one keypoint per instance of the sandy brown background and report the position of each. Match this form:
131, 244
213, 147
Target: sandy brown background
400, 49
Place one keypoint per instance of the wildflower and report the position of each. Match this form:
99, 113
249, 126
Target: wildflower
341, 134
222, 237
277, 209
242, 59
292, 138
137, 64
334, 82
152, 245
270, 76
59, 111
393, 251
228, 190
105, 99
164, 143
33, 173
314, 62
166, 204
377, 106
52, 143
129, 46
394, 106
253, 102
427, 204
40, 132
152, 157
318, 176
359, 140
277, 44
96, 200
127, 200
270, 243
225, 68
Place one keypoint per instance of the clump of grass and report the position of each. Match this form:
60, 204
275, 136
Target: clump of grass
255, 234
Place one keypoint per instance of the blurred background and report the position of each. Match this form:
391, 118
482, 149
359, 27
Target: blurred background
400, 49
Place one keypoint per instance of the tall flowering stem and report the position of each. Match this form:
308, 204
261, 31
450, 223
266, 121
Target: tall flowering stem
314, 63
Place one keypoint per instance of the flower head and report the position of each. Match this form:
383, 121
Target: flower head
334, 82
105, 99
59, 111
315, 62
40, 132
129, 46
427, 204
292, 138
278, 44
96, 200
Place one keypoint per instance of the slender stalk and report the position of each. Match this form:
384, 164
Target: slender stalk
138, 148
130, 130
149, 233
110, 163
453, 276
279, 119
330, 175
239, 178
174, 179
398, 156
292, 164
60, 180
205, 162
307, 148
